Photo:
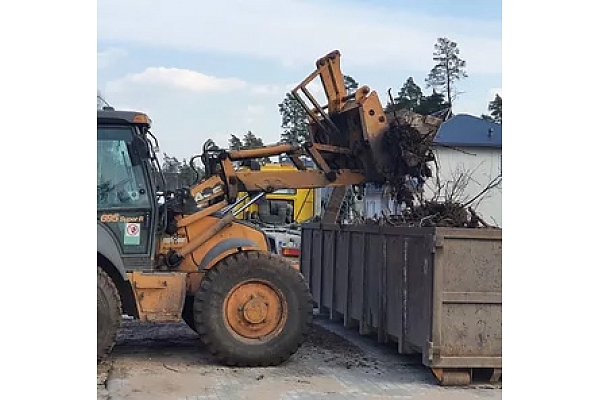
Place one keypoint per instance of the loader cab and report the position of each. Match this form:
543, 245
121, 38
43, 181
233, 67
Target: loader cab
126, 202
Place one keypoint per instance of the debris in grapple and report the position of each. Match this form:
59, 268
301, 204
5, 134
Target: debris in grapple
412, 152
407, 145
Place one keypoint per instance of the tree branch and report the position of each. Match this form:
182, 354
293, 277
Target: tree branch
493, 184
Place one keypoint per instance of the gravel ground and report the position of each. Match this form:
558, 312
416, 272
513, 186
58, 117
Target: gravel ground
167, 361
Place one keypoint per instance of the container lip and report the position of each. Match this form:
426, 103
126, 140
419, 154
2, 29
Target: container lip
406, 230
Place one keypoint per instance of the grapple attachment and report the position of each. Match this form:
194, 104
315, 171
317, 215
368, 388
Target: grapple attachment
352, 131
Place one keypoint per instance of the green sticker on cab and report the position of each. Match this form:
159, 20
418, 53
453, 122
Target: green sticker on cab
132, 234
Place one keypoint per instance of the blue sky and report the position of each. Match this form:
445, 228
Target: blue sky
209, 69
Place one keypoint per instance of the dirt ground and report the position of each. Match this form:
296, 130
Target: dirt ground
167, 361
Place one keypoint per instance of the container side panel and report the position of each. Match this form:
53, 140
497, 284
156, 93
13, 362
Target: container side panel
316, 271
306, 253
419, 281
472, 330
328, 267
472, 265
373, 275
340, 297
469, 296
394, 283
357, 245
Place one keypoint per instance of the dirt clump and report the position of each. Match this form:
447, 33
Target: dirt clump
336, 349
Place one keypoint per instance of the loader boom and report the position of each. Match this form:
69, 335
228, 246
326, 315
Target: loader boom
345, 144
339, 144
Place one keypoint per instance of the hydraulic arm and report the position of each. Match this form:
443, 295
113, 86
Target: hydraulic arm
340, 136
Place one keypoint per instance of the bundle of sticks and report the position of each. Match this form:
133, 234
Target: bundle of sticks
408, 142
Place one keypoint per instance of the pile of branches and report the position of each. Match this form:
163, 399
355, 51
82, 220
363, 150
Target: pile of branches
443, 214
407, 145
432, 214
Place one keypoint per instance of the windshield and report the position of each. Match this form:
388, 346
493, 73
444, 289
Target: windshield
120, 176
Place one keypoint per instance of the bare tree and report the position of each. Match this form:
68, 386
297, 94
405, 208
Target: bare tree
449, 202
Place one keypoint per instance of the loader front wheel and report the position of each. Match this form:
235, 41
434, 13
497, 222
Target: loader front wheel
108, 314
188, 313
253, 309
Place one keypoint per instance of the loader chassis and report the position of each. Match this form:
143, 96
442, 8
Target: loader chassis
242, 310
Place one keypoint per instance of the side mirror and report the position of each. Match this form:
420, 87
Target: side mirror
140, 147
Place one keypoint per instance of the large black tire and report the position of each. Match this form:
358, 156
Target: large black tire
108, 314
188, 313
240, 290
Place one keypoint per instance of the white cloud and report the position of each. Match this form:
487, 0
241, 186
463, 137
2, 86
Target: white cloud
198, 82
183, 79
109, 56
183, 120
255, 109
260, 89
254, 112
295, 33
469, 107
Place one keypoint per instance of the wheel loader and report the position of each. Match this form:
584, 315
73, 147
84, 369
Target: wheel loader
187, 257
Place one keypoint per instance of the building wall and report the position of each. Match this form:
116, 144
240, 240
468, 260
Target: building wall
479, 166
376, 203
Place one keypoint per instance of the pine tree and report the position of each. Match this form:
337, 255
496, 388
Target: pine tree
350, 83
495, 107
448, 69
251, 141
409, 96
235, 143
294, 120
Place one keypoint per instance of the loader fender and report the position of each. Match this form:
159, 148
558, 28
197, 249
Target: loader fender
221, 250
108, 247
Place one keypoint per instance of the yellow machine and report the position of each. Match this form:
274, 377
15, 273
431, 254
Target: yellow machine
282, 206
279, 213
190, 258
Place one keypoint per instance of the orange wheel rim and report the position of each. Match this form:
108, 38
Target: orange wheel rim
255, 311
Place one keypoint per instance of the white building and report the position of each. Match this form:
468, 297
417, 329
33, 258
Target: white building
468, 150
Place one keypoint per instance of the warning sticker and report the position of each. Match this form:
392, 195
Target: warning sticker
132, 234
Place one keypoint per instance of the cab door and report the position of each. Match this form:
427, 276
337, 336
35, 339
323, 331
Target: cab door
126, 204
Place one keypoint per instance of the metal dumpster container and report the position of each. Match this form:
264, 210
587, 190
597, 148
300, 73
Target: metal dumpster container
434, 291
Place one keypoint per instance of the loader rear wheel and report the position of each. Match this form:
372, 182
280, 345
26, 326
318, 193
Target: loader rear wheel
253, 309
108, 314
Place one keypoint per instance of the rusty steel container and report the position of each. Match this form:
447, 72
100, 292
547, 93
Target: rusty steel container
434, 291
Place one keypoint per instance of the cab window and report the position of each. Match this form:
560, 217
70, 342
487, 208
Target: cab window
120, 178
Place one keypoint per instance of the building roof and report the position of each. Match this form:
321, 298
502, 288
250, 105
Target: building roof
464, 130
